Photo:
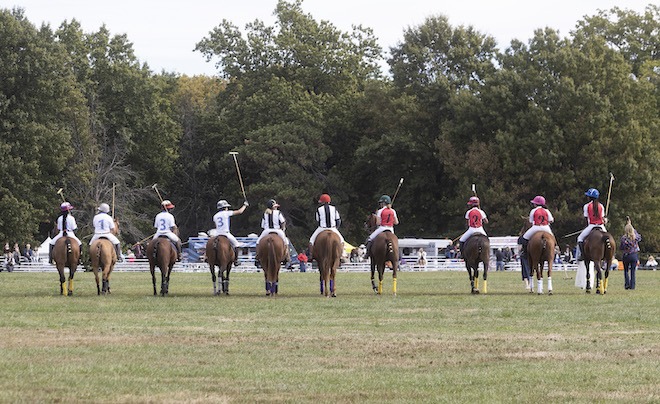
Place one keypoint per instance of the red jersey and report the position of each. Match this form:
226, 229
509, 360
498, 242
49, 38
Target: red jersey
475, 217
387, 216
541, 217
595, 217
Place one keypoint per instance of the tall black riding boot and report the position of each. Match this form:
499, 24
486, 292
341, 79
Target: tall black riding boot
50, 253
368, 248
178, 250
235, 256
118, 251
581, 248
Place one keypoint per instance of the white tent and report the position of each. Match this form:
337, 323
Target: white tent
42, 251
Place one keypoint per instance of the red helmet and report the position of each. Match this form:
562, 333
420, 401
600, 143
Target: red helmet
325, 198
538, 200
473, 201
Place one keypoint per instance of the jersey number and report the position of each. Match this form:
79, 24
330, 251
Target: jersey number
162, 225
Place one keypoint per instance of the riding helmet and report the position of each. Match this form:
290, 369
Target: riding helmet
385, 199
325, 198
223, 204
104, 207
272, 204
473, 201
65, 206
592, 193
538, 200
167, 204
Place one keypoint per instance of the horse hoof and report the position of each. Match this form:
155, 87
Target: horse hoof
334, 295
588, 290
549, 293
539, 293
475, 291
598, 291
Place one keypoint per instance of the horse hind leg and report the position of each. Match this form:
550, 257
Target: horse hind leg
225, 280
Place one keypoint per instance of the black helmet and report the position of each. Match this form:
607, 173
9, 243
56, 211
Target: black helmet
271, 204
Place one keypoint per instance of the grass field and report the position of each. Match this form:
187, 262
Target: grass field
434, 342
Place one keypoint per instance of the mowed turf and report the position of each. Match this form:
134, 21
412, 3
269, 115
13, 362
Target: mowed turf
434, 342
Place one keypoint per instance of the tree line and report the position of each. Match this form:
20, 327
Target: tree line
309, 110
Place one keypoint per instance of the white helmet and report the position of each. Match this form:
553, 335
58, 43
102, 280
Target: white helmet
223, 204
104, 207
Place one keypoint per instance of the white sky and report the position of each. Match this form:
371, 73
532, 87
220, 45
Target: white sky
165, 32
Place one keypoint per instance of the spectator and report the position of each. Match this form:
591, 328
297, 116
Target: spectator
507, 254
130, 256
29, 252
138, 250
17, 253
630, 247
557, 255
568, 255
499, 260
302, 258
421, 257
362, 252
651, 262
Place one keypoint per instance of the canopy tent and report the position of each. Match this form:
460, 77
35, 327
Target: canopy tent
348, 247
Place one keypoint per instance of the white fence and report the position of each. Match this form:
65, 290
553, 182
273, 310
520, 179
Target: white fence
433, 264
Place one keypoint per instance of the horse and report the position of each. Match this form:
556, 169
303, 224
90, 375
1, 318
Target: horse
540, 249
219, 252
475, 250
327, 253
384, 253
104, 257
161, 253
270, 252
599, 246
66, 253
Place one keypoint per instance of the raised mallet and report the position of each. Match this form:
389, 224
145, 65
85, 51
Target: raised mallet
238, 171
155, 188
397, 190
609, 192
60, 193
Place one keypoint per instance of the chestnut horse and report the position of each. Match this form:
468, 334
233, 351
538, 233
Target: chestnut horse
327, 253
161, 253
598, 247
104, 257
66, 253
540, 249
384, 253
270, 252
476, 250
220, 252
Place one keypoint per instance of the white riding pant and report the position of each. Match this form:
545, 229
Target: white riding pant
470, 231
232, 240
379, 230
535, 229
169, 235
320, 229
279, 232
59, 236
109, 236
587, 230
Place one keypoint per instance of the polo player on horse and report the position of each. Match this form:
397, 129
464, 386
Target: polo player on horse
221, 220
65, 222
386, 219
328, 218
104, 226
166, 226
594, 213
474, 218
540, 218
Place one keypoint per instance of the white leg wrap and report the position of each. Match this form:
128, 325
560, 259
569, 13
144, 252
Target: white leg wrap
539, 288
549, 284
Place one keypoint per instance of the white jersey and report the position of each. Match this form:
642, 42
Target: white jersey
327, 216
70, 223
274, 220
163, 223
221, 220
103, 223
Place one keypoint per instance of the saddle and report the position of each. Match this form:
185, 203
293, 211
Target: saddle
157, 242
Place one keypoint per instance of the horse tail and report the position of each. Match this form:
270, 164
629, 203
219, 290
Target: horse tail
272, 258
544, 242
606, 241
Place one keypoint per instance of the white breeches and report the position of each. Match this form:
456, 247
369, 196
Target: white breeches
535, 229
470, 231
379, 230
232, 240
320, 229
59, 236
169, 235
279, 232
109, 236
587, 230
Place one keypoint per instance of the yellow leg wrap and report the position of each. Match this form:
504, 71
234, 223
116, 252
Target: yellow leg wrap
485, 287
70, 285
64, 291
476, 283
605, 282
394, 286
601, 287
380, 287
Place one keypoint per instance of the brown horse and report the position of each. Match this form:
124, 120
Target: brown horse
161, 253
540, 249
270, 252
220, 252
104, 257
327, 253
66, 253
384, 253
475, 250
598, 247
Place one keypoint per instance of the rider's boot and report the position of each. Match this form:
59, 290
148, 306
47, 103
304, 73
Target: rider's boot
118, 251
80, 260
50, 253
368, 248
235, 256
178, 250
310, 249
581, 250
461, 244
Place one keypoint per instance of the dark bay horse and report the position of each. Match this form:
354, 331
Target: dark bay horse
270, 252
598, 247
66, 253
220, 252
476, 250
540, 249
161, 253
327, 253
104, 257
384, 253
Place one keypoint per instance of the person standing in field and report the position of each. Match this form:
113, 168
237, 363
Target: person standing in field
629, 246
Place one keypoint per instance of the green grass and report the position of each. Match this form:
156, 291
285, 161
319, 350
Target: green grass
434, 342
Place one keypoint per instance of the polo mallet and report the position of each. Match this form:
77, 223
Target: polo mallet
397, 190
238, 172
155, 188
474, 189
113, 200
59, 191
609, 192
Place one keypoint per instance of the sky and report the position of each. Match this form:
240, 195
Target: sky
164, 33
